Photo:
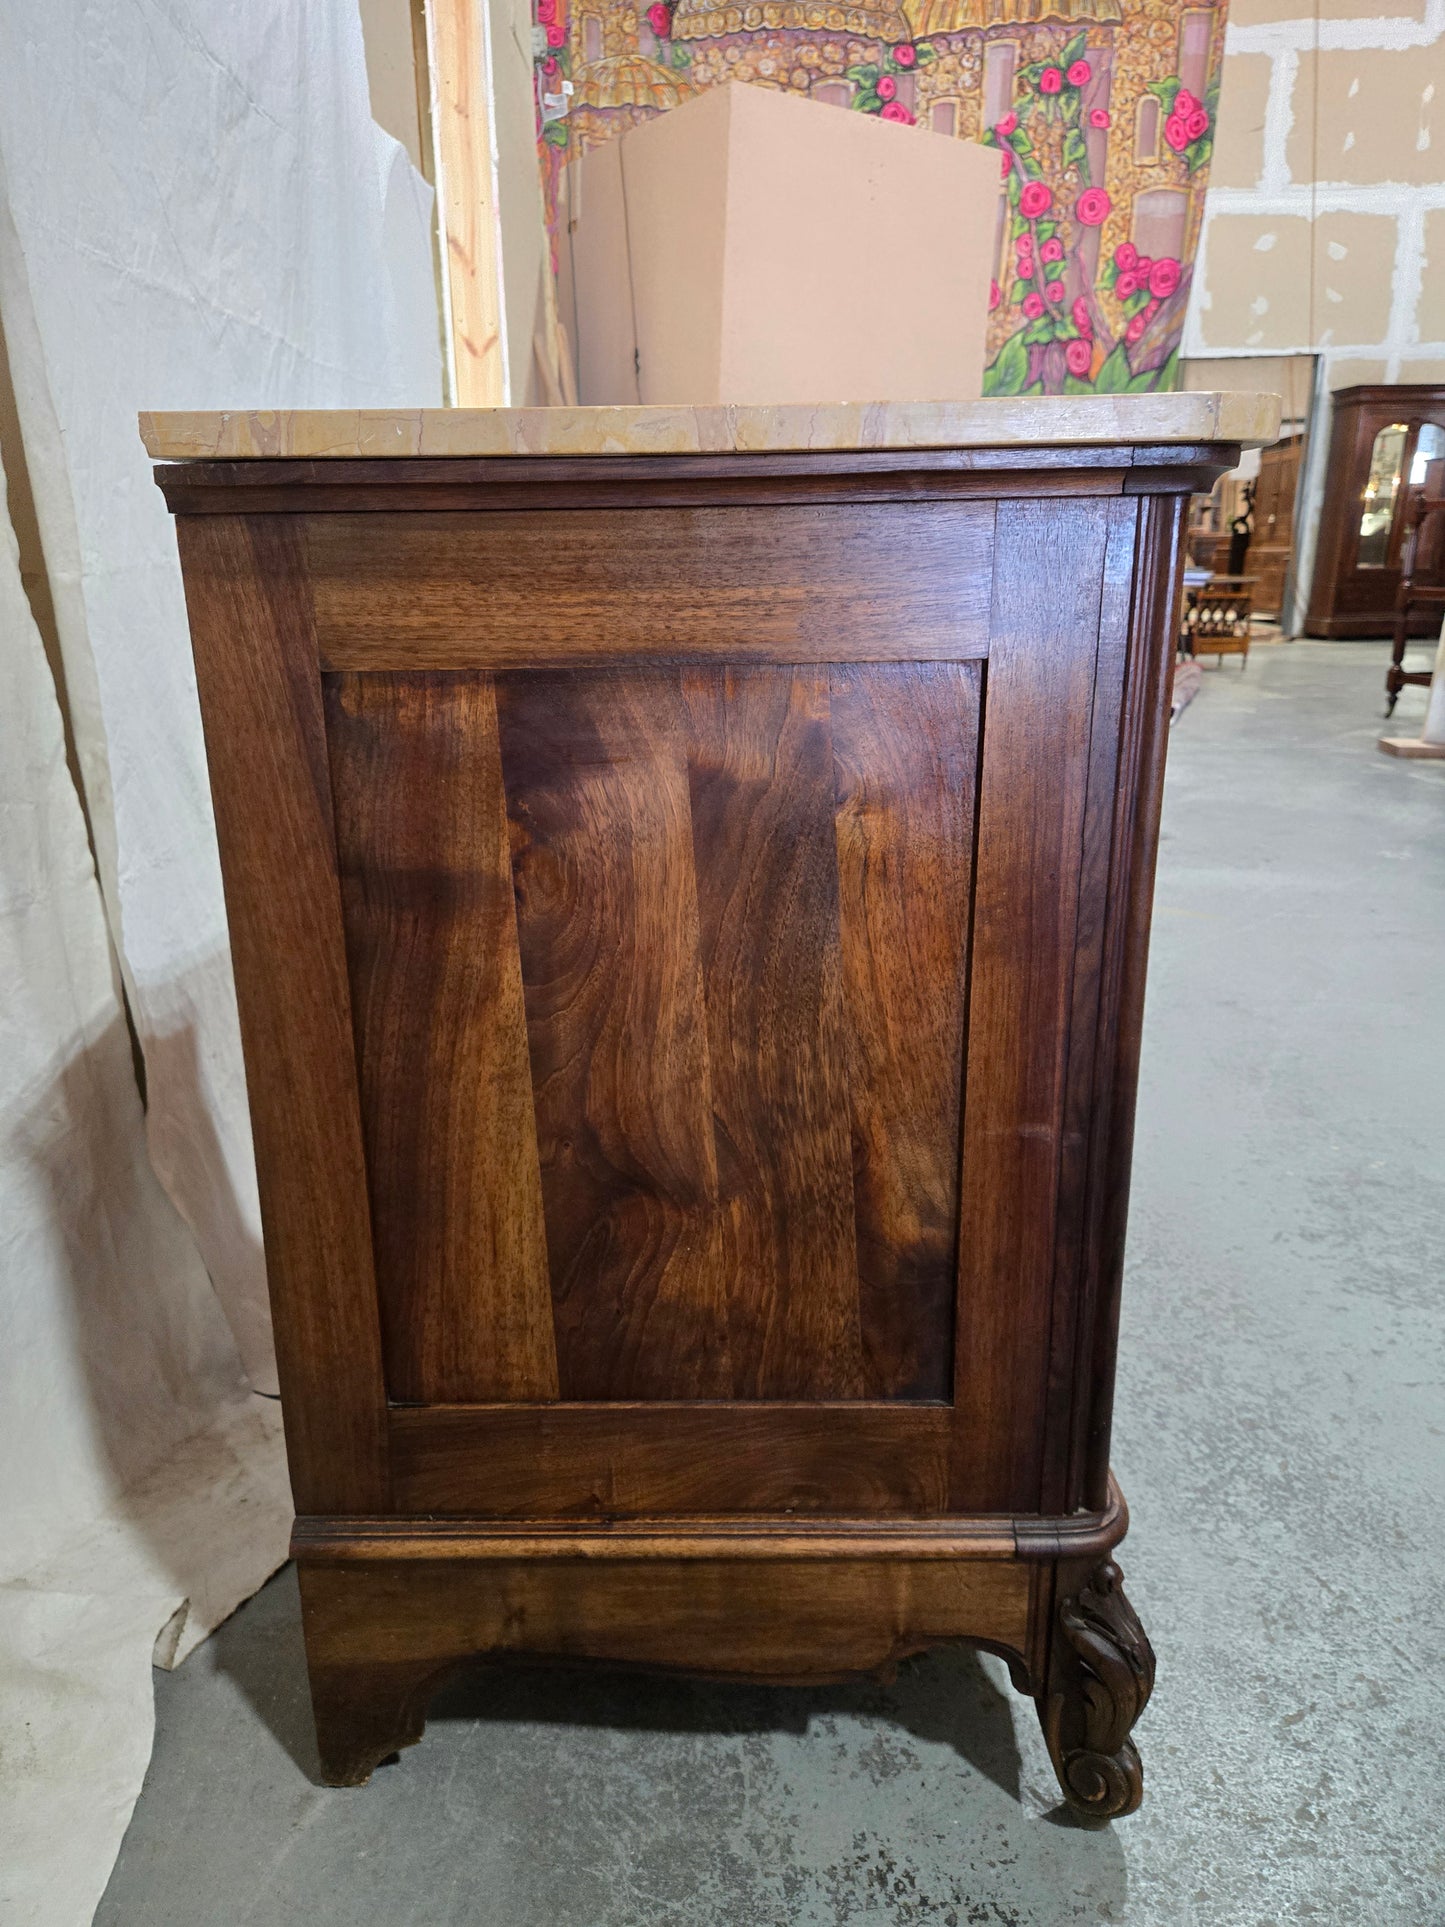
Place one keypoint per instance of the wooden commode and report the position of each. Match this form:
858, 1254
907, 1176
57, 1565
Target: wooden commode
689, 879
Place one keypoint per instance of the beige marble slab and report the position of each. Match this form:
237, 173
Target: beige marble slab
245, 434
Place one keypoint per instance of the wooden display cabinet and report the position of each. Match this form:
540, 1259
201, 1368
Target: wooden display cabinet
1382, 442
689, 904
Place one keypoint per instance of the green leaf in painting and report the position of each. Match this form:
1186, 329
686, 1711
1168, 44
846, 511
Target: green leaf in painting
1075, 152
555, 133
926, 51
867, 101
1165, 90
1198, 152
680, 55
1113, 378
1017, 292
1073, 386
1075, 49
1034, 387
1143, 383
1169, 374
864, 76
1009, 369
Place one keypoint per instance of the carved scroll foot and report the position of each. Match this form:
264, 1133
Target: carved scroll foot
1101, 1673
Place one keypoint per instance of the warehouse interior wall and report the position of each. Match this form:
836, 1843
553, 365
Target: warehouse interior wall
1324, 225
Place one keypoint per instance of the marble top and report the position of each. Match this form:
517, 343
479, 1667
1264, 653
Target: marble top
717, 428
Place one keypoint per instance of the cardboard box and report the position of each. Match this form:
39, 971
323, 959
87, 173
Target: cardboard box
752, 246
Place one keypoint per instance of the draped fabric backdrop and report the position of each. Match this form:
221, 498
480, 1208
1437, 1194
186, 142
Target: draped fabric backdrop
1102, 112
196, 210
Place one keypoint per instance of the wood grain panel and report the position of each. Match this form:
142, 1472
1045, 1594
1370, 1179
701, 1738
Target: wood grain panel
1144, 738
265, 743
905, 743
1046, 596
640, 1461
600, 816
1090, 1019
441, 1038
840, 582
760, 765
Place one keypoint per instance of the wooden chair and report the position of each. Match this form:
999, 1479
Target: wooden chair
1216, 617
1422, 587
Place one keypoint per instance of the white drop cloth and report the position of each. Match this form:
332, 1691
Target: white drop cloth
196, 210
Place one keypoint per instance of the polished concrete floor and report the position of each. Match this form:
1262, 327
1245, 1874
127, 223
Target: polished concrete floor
1281, 1437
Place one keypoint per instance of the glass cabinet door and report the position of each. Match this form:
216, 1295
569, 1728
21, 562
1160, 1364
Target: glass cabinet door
1382, 488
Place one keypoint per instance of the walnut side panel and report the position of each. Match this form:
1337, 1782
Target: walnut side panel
260, 700
597, 796
635, 1461
1144, 737
905, 749
760, 765
1048, 572
441, 1041
525, 589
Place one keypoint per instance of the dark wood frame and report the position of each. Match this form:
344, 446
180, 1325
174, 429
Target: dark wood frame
1421, 592
1345, 600
428, 1536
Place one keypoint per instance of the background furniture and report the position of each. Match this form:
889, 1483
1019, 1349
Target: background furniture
1422, 582
1382, 443
1215, 617
691, 1016
1271, 543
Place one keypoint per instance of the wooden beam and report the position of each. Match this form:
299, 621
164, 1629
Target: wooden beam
466, 185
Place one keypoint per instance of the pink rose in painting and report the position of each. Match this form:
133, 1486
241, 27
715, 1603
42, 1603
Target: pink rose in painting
1052, 251
1176, 132
1092, 207
1164, 276
887, 87
1078, 355
1184, 103
1126, 285
546, 11
905, 56
1079, 73
550, 67
895, 110
1099, 117
1035, 200
556, 36
1033, 304
1051, 81
1007, 124
1197, 125
1142, 265
1005, 162
1083, 320
1152, 309
995, 295
659, 19
1134, 329
1055, 291
1126, 256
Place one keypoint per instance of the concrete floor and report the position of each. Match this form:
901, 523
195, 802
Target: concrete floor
1279, 1437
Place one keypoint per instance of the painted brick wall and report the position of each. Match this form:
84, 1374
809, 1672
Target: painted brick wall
1325, 220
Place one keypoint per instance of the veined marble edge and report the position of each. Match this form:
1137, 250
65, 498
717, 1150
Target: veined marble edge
716, 428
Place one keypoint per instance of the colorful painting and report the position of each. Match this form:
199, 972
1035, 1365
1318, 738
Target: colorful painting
1102, 112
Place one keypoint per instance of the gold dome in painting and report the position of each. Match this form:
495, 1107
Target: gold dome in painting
631, 80
700, 20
